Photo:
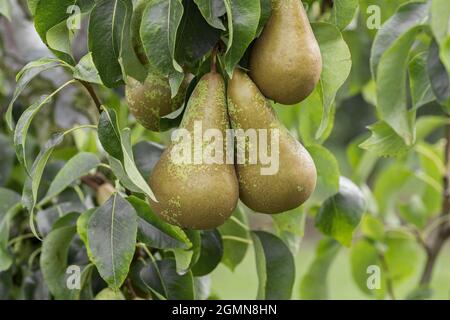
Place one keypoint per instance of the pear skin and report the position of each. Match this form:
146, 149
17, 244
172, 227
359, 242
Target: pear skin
296, 177
151, 100
204, 195
286, 62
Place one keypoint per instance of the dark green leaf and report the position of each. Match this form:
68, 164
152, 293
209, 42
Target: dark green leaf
439, 78
162, 278
337, 63
235, 237
211, 253
211, 11
245, 16
75, 168
55, 249
343, 12
195, 36
28, 73
314, 283
112, 233
155, 232
340, 215
159, 28
275, 266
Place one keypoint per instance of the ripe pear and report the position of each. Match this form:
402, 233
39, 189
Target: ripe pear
198, 195
151, 100
285, 62
295, 180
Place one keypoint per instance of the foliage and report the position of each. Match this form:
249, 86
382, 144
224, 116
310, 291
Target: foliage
387, 210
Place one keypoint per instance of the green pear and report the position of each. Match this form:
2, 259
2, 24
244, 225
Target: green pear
151, 100
295, 178
285, 62
198, 195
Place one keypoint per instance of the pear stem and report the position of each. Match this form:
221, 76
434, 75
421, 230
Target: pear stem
214, 59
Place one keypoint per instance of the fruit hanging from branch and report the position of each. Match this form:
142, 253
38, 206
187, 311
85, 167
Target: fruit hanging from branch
289, 182
286, 62
195, 194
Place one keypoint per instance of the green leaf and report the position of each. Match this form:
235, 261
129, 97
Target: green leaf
314, 283
439, 78
75, 168
211, 252
112, 233
310, 119
414, 211
388, 186
372, 228
235, 238
109, 133
402, 255
55, 249
328, 172
432, 166
211, 11
110, 41
5, 9
9, 207
339, 215
384, 141
407, 17
186, 258
154, 232
337, 64
343, 12
426, 125
440, 15
163, 281
21, 131
245, 16
118, 145
59, 38
159, 28
23, 78
275, 266
85, 70
391, 86
292, 222
420, 87
130, 166
51, 13
195, 37
363, 255
266, 10
32, 183
82, 229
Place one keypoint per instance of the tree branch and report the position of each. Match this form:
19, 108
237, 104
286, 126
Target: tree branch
437, 239
93, 95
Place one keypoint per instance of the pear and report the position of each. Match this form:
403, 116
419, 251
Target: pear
198, 195
285, 62
151, 100
295, 178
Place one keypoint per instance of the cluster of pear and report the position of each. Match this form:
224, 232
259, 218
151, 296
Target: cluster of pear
285, 67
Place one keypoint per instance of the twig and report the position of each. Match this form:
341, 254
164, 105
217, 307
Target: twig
389, 285
214, 59
93, 95
442, 232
